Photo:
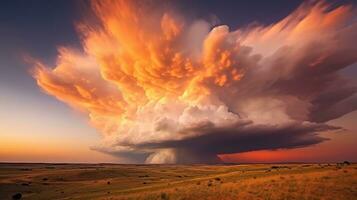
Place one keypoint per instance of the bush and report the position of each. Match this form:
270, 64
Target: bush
346, 163
17, 196
164, 196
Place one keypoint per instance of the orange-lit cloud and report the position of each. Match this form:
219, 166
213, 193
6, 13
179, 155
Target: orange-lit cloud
158, 85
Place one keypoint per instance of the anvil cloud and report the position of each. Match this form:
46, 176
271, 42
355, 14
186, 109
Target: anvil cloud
166, 89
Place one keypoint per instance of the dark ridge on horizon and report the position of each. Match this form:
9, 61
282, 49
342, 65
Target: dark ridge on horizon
148, 164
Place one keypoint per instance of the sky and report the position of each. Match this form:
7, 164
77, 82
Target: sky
171, 83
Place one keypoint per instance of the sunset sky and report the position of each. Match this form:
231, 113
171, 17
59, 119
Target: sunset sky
178, 81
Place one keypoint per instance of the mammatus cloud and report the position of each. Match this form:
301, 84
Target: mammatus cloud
165, 89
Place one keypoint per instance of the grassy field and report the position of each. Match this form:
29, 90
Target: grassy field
103, 181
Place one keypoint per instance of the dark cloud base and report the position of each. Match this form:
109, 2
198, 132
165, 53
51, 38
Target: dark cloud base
204, 148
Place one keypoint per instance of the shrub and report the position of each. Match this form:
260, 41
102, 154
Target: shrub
164, 196
346, 163
17, 196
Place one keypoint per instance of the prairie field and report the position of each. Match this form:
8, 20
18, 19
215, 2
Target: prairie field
112, 181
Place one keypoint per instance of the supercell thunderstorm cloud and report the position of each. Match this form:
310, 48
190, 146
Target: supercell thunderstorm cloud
162, 88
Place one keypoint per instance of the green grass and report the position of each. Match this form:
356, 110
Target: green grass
73, 181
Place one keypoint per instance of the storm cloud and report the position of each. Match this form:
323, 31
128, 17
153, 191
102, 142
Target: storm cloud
163, 88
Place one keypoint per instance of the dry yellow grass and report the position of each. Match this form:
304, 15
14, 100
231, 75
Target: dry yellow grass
293, 181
